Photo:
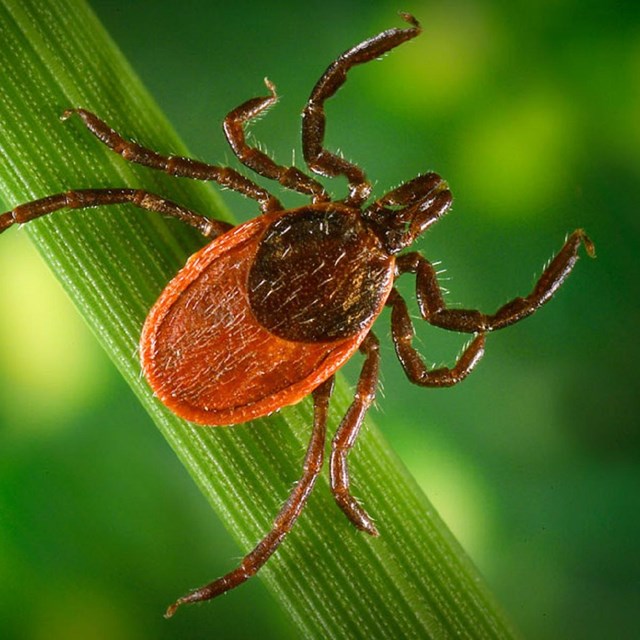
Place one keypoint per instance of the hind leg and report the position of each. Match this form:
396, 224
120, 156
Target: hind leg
347, 433
287, 517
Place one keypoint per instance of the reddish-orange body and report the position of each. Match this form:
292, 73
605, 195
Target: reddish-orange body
207, 356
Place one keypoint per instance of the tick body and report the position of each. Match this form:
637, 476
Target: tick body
261, 316
268, 311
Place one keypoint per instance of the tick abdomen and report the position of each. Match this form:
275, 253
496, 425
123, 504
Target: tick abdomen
207, 353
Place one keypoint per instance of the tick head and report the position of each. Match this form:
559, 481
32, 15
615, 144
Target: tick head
403, 214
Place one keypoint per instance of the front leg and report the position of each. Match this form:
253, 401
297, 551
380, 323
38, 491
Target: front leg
434, 311
257, 160
175, 165
317, 157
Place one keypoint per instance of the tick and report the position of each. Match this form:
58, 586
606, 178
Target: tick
269, 310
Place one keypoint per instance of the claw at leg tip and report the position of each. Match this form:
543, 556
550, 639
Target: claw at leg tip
407, 17
366, 524
270, 86
589, 246
171, 609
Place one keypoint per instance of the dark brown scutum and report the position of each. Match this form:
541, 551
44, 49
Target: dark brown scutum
319, 275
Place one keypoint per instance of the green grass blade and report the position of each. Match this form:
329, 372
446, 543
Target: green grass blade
413, 581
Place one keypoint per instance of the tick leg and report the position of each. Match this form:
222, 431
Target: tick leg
288, 515
347, 433
86, 198
289, 177
402, 333
408, 192
320, 160
434, 311
175, 165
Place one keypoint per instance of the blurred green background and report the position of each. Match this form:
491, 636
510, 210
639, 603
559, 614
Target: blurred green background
532, 113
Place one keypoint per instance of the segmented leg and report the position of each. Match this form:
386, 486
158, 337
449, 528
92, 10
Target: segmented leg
288, 515
175, 165
407, 193
434, 310
256, 160
347, 433
86, 198
320, 160
402, 333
